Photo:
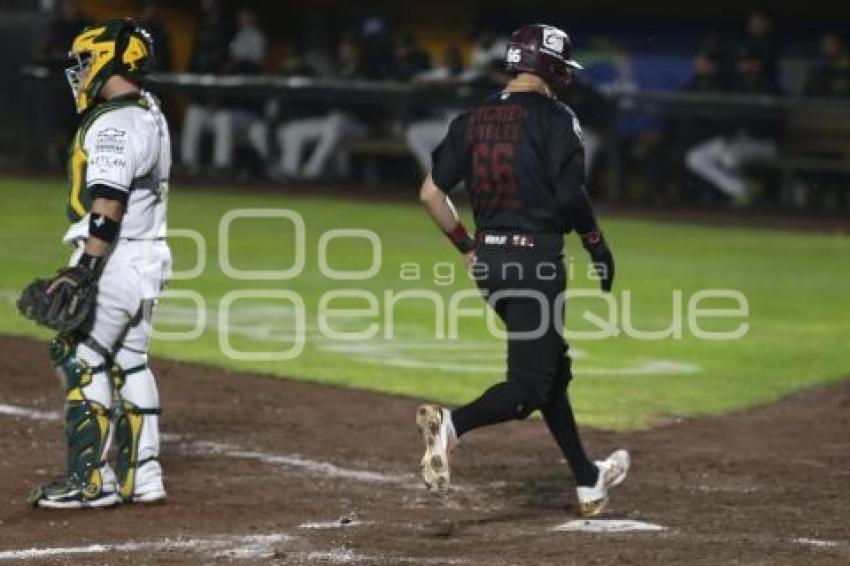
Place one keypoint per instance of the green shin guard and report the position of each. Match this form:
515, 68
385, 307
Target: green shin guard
86, 429
87, 425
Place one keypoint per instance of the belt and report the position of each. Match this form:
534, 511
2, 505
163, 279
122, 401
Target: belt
143, 239
519, 239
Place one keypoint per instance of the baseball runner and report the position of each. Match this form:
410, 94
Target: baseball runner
520, 155
102, 303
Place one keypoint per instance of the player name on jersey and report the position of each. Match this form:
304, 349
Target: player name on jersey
496, 123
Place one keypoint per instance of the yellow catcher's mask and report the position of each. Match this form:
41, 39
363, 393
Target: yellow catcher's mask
117, 47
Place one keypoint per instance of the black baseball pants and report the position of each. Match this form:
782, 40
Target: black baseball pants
523, 285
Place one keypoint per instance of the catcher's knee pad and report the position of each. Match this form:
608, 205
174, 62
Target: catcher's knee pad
136, 423
82, 365
87, 413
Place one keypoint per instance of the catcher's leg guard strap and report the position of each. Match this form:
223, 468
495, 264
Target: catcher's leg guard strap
120, 375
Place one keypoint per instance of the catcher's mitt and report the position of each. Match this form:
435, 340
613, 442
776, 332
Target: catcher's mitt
68, 306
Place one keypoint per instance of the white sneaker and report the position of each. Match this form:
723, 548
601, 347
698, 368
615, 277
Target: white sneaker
612, 472
438, 432
66, 494
149, 486
150, 494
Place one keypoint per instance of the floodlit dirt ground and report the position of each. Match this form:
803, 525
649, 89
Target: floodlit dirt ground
268, 470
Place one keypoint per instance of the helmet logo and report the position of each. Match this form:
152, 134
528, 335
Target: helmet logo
514, 55
553, 39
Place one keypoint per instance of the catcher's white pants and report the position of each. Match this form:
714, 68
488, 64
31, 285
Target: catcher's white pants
719, 161
129, 286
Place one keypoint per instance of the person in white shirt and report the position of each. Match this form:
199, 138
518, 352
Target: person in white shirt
326, 133
422, 136
231, 121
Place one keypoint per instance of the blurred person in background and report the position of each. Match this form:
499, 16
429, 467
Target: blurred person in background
707, 73
151, 20
326, 132
208, 56
682, 130
247, 49
720, 160
376, 50
487, 48
209, 48
594, 111
233, 120
410, 58
69, 21
689, 129
278, 111
423, 135
721, 53
752, 76
831, 75
762, 41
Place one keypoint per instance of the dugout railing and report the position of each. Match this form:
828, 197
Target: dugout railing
814, 140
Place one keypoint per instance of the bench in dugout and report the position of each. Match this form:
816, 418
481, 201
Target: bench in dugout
813, 157
376, 149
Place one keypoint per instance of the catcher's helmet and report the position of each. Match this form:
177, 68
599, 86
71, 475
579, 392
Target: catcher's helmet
544, 51
117, 47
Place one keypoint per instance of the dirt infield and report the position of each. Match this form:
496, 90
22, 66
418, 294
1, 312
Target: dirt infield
266, 470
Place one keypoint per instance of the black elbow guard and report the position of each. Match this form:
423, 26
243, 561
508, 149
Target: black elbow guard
103, 228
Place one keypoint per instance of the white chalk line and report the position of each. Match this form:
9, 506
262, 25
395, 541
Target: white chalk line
230, 450
336, 556
34, 414
330, 525
820, 543
615, 526
313, 467
344, 555
235, 546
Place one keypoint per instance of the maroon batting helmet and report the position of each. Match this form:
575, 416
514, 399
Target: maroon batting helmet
544, 51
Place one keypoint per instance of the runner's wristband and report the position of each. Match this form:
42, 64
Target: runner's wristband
461, 239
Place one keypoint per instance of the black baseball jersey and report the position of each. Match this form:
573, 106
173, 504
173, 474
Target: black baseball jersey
521, 157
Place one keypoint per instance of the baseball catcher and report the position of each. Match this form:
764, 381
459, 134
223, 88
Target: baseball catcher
520, 155
102, 303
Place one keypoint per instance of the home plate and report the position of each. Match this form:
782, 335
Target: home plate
608, 526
